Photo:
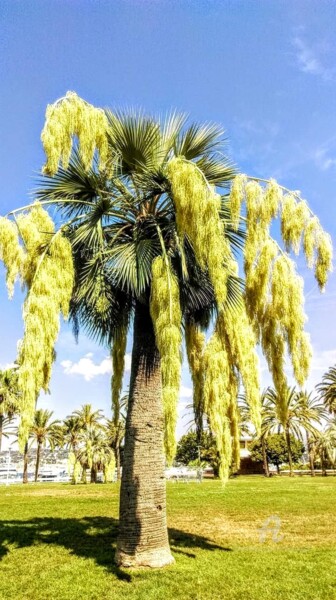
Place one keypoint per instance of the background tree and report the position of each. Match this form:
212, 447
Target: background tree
327, 390
95, 452
289, 412
276, 448
314, 412
325, 446
146, 239
42, 432
190, 448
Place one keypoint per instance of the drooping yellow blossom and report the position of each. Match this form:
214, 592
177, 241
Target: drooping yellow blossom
11, 252
166, 316
237, 196
195, 344
197, 216
324, 258
68, 117
236, 332
218, 397
274, 291
46, 269
235, 428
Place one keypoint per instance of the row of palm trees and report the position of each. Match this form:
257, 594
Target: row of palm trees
93, 442
308, 417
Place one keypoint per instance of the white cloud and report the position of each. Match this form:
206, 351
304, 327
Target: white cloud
185, 392
88, 369
6, 366
308, 60
322, 157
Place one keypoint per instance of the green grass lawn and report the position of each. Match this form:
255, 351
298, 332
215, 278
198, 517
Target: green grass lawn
57, 542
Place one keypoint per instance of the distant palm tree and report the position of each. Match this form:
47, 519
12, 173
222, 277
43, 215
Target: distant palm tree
286, 412
87, 418
9, 398
42, 431
327, 389
326, 445
314, 412
95, 452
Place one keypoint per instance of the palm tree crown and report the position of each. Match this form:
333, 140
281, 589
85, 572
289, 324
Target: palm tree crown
327, 389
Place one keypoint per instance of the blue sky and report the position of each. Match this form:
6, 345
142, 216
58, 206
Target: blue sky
265, 70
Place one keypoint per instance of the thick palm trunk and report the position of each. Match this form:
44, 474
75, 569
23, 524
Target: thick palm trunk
264, 455
310, 454
38, 457
25, 464
143, 536
290, 460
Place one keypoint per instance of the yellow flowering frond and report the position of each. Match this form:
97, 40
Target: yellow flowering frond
235, 429
324, 258
235, 330
254, 201
237, 196
71, 116
257, 288
310, 237
195, 344
197, 209
220, 390
294, 219
48, 272
166, 316
272, 201
11, 252
118, 365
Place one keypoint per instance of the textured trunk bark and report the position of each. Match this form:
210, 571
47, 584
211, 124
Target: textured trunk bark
93, 478
38, 456
264, 454
117, 459
290, 460
143, 536
310, 454
25, 464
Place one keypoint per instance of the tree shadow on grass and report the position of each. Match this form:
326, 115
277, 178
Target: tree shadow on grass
89, 537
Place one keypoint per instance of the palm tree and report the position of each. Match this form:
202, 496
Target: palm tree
288, 412
153, 247
42, 431
124, 222
9, 397
327, 389
87, 419
95, 451
314, 412
325, 445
